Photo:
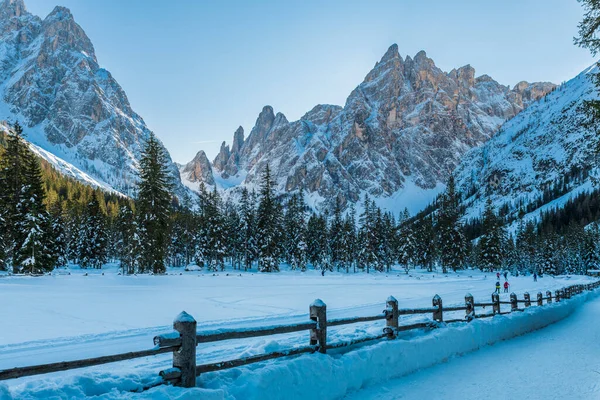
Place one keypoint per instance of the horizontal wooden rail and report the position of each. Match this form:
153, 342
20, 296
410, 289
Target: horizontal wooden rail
20, 372
248, 333
354, 320
426, 310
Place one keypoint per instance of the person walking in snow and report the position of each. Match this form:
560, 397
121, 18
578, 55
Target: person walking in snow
498, 287
535, 276
506, 285
505, 275
497, 275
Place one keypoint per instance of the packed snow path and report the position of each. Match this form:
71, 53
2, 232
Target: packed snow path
561, 361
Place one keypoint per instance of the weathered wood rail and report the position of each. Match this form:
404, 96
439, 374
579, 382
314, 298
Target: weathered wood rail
184, 339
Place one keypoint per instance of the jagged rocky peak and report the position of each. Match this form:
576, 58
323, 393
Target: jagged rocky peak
238, 140
62, 32
199, 170
403, 129
221, 160
12, 8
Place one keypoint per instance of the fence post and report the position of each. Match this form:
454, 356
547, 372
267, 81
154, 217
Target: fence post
514, 306
391, 316
557, 295
184, 358
527, 299
318, 313
470, 311
438, 314
549, 296
496, 303
540, 299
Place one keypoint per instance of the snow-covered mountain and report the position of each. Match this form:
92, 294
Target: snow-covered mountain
398, 137
539, 159
50, 81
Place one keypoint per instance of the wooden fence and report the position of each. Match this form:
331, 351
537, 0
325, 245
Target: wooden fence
182, 342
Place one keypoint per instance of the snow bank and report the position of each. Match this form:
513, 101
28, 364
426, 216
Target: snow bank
333, 376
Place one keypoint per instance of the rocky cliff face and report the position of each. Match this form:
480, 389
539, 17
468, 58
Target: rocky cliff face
51, 82
398, 137
537, 160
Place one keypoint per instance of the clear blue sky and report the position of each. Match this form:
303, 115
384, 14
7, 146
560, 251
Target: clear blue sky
196, 70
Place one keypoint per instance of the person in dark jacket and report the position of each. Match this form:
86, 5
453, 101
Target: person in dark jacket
498, 287
535, 276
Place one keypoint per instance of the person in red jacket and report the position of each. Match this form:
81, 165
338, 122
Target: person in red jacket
506, 285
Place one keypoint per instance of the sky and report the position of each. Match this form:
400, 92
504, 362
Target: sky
196, 70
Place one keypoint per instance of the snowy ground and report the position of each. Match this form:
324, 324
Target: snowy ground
63, 317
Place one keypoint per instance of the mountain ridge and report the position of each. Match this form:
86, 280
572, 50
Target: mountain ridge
400, 133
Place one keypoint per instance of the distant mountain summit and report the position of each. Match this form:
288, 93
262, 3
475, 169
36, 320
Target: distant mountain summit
401, 133
51, 82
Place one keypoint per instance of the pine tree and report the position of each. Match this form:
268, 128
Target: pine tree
154, 207
248, 228
59, 252
336, 237
128, 243
12, 181
367, 236
492, 240
426, 250
349, 241
407, 252
451, 238
316, 241
32, 230
548, 256
295, 246
93, 237
591, 259
268, 225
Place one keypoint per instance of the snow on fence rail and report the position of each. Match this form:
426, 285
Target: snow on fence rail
182, 342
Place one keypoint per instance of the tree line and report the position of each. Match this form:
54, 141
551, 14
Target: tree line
48, 221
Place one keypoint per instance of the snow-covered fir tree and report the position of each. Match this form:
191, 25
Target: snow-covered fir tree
269, 229
93, 237
154, 207
295, 246
451, 239
492, 240
128, 242
33, 236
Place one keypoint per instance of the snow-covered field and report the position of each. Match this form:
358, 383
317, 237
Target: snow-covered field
63, 317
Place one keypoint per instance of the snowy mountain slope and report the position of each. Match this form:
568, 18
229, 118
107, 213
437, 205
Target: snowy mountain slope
64, 167
50, 81
401, 131
538, 160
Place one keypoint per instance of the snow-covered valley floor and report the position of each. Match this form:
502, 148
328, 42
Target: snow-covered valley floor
64, 317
